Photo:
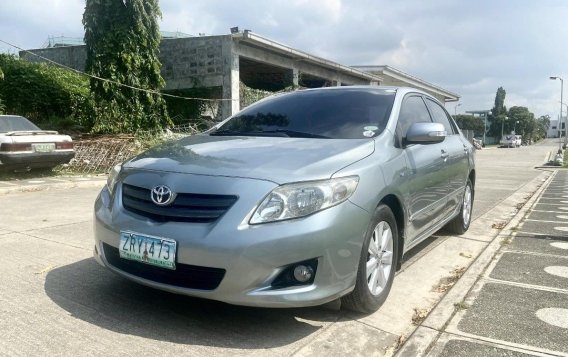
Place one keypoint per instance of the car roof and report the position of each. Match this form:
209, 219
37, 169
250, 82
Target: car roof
398, 89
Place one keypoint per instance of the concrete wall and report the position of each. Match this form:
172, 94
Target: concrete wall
70, 56
196, 61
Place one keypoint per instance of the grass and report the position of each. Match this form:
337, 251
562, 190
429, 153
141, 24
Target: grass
461, 306
565, 159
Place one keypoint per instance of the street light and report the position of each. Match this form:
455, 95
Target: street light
515, 127
560, 118
485, 124
456, 109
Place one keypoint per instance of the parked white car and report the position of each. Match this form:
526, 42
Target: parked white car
24, 146
511, 141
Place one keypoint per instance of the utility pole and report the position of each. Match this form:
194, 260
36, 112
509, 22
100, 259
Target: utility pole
560, 118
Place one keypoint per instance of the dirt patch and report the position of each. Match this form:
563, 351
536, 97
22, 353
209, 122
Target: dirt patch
420, 315
499, 225
447, 282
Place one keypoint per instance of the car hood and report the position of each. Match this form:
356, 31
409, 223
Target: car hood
275, 159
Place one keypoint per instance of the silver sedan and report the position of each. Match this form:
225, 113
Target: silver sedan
297, 200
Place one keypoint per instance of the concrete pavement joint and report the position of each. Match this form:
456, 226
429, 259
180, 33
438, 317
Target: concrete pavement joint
449, 336
536, 254
530, 348
317, 334
54, 241
525, 286
534, 233
542, 221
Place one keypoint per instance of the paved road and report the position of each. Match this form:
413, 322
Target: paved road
55, 300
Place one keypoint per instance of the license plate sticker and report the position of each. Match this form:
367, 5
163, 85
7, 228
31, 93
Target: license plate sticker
43, 147
156, 251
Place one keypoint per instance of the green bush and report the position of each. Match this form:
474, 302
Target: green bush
46, 93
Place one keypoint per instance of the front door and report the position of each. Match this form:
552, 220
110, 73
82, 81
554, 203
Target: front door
426, 176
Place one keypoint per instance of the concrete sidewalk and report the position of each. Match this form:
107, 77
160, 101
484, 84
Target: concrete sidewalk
513, 301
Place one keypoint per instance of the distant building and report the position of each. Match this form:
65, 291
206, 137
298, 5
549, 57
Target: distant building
555, 130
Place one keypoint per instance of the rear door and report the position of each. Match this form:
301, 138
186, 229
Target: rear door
426, 184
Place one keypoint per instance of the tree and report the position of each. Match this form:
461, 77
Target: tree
542, 125
123, 39
520, 120
498, 113
46, 94
469, 122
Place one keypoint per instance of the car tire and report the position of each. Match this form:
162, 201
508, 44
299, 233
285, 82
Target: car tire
460, 224
377, 264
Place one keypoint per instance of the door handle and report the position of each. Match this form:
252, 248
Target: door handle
444, 154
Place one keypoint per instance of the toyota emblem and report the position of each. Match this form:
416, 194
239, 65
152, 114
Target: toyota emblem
162, 195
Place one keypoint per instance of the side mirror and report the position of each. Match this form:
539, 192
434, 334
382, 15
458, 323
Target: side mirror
425, 133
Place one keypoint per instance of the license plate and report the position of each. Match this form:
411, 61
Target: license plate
47, 147
146, 249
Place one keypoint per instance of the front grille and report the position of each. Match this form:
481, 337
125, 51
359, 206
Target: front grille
187, 207
184, 276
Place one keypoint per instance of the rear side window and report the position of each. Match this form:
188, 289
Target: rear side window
413, 110
440, 116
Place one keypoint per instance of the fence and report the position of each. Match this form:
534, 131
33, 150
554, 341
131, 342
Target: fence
100, 153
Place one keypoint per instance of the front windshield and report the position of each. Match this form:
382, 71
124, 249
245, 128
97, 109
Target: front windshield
346, 113
15, 123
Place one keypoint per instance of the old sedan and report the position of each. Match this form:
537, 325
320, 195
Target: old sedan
24, 146
297, 200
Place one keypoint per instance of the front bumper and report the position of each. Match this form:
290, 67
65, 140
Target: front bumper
252, 256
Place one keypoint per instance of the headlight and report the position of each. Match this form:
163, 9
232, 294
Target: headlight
113, 178
304, 198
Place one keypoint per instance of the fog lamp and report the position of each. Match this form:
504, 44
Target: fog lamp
303, 273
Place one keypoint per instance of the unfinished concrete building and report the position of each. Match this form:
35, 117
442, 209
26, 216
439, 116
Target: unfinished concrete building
224, 62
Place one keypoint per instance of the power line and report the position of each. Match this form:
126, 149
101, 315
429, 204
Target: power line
111, 81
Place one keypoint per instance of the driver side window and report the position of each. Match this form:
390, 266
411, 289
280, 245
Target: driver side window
413, 110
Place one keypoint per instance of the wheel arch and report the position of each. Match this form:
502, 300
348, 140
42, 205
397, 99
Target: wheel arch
395, 205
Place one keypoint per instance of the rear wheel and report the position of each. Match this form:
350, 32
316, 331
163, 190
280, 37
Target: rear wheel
460, 224
377, 264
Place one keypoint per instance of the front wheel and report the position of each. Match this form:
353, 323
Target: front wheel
377, 264
460, 224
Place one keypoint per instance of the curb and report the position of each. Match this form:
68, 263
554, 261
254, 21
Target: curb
63, 185
428, 332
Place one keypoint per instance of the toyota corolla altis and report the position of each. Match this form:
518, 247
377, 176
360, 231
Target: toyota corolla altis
297, 200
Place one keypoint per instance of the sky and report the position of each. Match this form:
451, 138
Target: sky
467, 47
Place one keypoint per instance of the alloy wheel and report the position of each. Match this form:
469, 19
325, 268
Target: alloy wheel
466, 211
379, 258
